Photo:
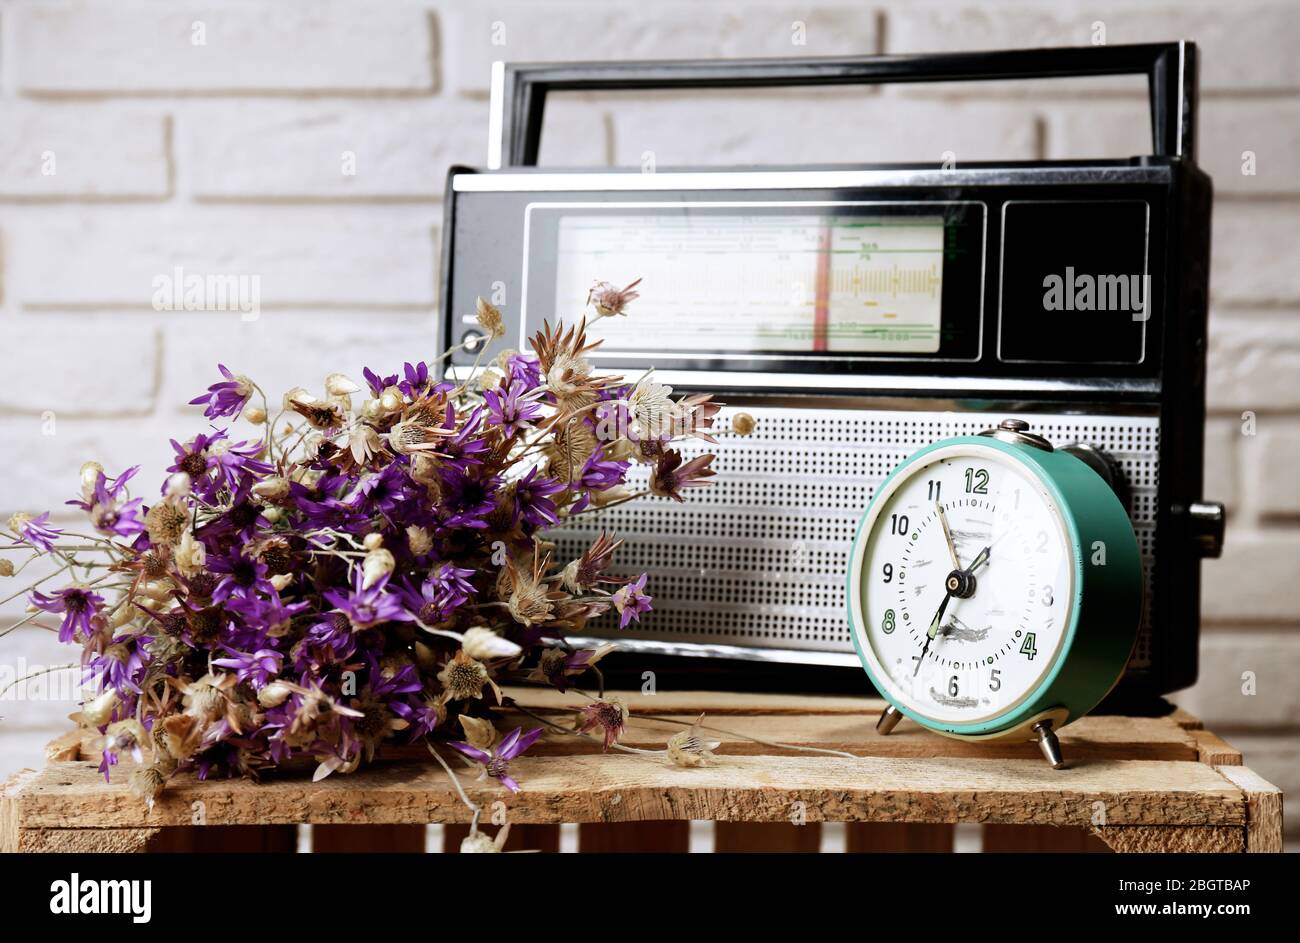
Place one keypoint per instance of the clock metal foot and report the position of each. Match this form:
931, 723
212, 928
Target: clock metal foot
888, 720
1048, 743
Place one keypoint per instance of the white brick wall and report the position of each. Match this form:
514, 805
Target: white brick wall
228, 157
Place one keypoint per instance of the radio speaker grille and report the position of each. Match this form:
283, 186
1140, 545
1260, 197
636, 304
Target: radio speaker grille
758, 559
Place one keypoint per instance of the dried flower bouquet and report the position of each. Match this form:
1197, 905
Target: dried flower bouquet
369, 565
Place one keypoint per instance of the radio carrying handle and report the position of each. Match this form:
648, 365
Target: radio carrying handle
519, 90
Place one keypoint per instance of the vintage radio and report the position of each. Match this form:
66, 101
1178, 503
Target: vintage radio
860, 313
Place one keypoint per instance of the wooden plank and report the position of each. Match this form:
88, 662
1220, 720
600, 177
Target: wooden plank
1130, 738
1185, 719
11, 823
1041, 838
623, 787
85, 840
873, 837
1214, 750
766, 837
1173, 839
648, 837
66, 746
544, 838
1263, 809
225, 839
355, 839
547, 699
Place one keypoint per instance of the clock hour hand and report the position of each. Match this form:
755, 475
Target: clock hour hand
981, 558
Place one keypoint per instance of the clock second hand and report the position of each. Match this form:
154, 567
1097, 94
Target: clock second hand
931, 632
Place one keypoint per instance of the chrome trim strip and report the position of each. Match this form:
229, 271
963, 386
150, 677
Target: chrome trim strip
549, 182
1182, 101
738, 652
859, 383
496, 114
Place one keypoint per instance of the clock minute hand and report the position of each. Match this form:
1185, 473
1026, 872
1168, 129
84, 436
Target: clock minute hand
947, 535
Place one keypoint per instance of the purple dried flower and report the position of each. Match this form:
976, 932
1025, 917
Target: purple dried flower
600, 473
258, 667
120, 665
467, 500
78, 605
526, 369
377, 383
107, 511
497, 762
36, 531
226, 397
630, 601
367, 608
533, 499
239, 575
512, 409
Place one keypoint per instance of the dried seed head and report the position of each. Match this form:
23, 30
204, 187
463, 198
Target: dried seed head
338, 384
479, 732
391, 400
180, 735
688, 748
364, 443
6, 567
378, 563
486, 645
462, 678
255, 414
147, 782
743, 423
179, 484
99, 711
489, 318
165, 522
419, 540
90, 472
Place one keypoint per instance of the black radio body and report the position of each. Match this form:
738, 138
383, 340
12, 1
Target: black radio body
860, 312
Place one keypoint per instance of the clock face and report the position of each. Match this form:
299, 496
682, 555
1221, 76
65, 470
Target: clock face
964, 585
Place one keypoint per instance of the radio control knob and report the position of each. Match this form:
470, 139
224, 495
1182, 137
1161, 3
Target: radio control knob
1205, 522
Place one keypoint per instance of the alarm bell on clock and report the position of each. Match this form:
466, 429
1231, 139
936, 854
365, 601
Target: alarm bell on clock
996, 586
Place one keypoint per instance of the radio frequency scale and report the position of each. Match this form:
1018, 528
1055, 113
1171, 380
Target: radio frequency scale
862, 313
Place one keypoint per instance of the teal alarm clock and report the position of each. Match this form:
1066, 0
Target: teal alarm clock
995, 588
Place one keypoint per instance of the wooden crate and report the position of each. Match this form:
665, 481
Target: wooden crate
1134, 784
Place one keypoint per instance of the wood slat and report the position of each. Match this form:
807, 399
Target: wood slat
1174, 839
257, 839
875, 837
356, 839
620, 787
634, 837
1263, 809
766, 837
707, 702
1214, 750
1041, 838
1129, 738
